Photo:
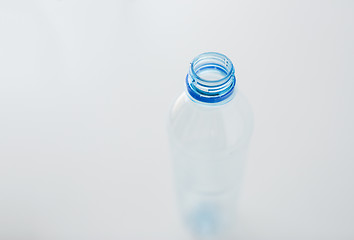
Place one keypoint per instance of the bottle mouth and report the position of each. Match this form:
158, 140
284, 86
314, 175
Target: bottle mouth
211, 78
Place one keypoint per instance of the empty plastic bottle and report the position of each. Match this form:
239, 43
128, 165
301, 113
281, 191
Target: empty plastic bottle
210, 126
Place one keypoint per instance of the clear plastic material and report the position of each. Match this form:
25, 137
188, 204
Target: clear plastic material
209, 142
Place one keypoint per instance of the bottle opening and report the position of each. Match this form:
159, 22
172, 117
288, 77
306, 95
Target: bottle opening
211, 78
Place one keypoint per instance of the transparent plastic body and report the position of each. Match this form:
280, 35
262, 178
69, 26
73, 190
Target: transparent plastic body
209, 144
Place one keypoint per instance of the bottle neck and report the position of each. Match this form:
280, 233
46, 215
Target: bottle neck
211, 79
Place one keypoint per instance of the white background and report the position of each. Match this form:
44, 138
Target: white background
85, 89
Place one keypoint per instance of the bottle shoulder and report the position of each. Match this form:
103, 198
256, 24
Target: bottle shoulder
214, 126
184, 108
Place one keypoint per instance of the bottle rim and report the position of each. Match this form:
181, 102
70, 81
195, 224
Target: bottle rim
207, 90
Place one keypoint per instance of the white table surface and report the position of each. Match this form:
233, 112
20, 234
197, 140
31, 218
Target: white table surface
85, 88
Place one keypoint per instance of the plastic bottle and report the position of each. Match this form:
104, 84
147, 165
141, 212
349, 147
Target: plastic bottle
210, 126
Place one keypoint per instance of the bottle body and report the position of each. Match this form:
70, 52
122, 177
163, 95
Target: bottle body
209, 149
208, 142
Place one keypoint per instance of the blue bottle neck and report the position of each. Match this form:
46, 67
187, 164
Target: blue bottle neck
211, 78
